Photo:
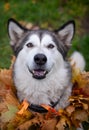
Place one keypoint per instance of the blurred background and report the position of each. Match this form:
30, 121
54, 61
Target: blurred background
46, 14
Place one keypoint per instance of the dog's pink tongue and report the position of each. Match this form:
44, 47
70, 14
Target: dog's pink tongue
39, 72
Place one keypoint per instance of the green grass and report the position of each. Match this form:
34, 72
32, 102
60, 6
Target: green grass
45, 13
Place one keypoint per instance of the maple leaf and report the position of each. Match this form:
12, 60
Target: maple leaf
36, 121
79, 116
81, 82
8, 115
24, 105
6, 77
63, 124
49, 124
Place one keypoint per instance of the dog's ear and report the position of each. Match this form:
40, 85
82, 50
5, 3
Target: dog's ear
66, 32
15, 31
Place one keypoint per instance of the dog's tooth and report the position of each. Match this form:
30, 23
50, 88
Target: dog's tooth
33, 71
44, 72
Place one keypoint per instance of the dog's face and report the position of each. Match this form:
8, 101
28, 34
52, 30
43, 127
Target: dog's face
40, 50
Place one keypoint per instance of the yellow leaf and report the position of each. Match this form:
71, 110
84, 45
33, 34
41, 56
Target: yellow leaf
63, 124
8, 115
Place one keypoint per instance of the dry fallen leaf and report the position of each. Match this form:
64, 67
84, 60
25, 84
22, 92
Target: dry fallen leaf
79, 116
70, 109
81, 82
8, 115
63, 123
49, 124
24, 105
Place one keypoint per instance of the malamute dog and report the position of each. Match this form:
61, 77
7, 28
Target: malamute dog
41, 72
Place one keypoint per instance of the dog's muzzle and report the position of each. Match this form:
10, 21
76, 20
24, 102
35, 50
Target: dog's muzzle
39, 72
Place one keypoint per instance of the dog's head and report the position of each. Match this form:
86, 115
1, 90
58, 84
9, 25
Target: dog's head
40, 50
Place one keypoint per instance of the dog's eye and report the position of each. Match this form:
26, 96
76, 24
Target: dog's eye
50, 46
29, 45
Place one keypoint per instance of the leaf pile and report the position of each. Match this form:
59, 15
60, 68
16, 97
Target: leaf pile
14, 115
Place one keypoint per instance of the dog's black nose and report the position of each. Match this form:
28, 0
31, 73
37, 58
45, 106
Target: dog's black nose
40, 59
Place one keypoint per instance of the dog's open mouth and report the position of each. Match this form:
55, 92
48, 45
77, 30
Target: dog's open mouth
39, 73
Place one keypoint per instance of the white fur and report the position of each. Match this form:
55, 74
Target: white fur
78, 60
52, 87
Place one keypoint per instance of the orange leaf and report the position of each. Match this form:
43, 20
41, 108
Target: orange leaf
79, 116
24, 105
49, 124
81, 83
51, 111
